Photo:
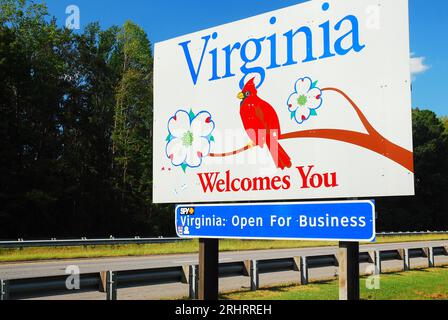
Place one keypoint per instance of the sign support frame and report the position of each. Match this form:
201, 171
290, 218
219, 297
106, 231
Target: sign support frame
349, 286
349, 275
208, 269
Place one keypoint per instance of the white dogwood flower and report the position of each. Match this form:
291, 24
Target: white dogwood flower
189, 139
305, 100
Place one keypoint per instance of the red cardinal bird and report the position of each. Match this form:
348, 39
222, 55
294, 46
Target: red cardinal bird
262, 124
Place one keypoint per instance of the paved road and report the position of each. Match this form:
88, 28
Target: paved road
40, 269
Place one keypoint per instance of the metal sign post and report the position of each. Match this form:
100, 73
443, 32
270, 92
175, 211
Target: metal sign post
349, 222
208, 269
349, 271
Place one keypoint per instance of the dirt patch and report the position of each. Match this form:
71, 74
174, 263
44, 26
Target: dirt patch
438, 296
432, 296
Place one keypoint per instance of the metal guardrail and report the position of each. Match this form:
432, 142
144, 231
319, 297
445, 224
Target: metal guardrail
110, 281
85, 242
20, 243
411, 233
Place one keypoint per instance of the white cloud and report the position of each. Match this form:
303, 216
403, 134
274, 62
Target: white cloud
418, 66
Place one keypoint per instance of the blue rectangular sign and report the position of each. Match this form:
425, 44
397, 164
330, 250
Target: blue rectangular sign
333, 221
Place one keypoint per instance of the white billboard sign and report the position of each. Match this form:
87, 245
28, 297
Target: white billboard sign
307, 102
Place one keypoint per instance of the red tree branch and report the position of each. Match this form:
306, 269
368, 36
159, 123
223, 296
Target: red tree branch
372, 141
233, 153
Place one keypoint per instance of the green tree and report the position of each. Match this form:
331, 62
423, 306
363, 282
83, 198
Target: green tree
33, 56
88, 118
76, 125
444, 120
427, 210
132, 136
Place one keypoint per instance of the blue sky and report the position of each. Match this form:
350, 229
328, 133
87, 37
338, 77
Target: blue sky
165, 19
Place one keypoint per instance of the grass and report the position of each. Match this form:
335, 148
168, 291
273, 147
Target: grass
429, 284
54, 253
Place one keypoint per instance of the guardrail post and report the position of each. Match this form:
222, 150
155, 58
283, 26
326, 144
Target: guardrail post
254, 276
430, 254
406, 260
193, 282
111, 286
377, 262
303, 271
300, 265
4, 290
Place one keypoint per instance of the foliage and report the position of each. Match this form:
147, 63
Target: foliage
427, 210
76, 117
444, 120
76, 127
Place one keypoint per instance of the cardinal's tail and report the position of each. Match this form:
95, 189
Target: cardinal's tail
281, 158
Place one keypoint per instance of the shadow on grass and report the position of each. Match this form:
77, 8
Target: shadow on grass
276, 289
401, 273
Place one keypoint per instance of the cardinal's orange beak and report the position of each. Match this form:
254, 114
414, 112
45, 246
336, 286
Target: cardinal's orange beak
240, 96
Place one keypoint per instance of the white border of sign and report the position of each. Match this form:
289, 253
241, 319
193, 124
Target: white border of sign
356, 141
